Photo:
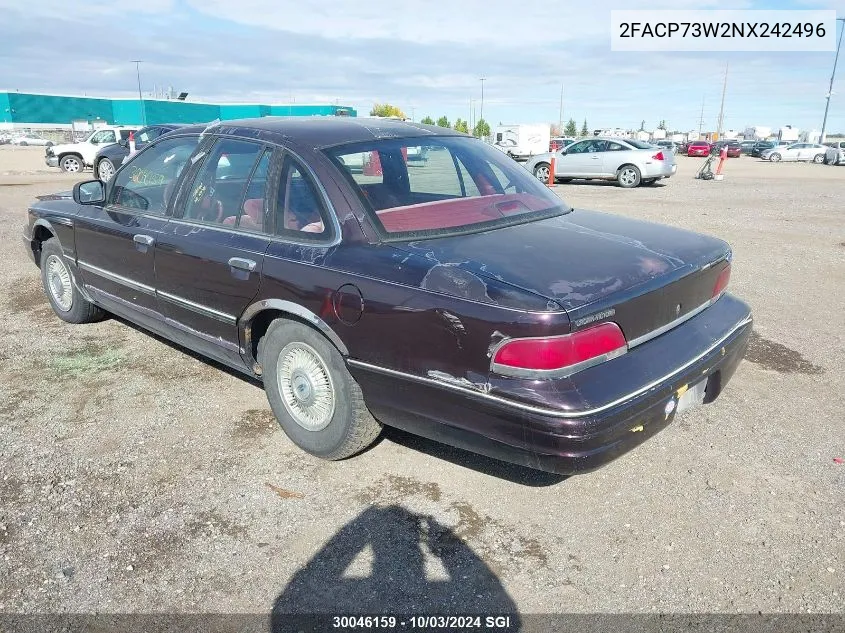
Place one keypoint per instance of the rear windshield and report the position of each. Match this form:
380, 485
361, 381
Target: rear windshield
424, 187
638, 144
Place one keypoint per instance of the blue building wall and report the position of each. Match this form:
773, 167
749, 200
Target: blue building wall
5, 108
34, 108
57, 110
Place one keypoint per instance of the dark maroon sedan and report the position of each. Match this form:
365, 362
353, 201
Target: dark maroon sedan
378, 272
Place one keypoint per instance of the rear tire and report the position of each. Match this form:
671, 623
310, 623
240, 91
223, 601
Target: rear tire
59, 286
628, 177
315, 399
818, 159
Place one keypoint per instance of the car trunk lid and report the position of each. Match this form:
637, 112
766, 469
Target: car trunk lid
596, 266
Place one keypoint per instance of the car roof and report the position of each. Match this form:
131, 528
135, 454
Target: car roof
322, 131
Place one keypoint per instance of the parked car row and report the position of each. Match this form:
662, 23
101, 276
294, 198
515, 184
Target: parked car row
74, 157
515, 326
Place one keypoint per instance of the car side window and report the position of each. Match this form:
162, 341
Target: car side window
300, 212
147, 182
124, 134
615, 147
103, 136
218, 191
146, 136
578, 148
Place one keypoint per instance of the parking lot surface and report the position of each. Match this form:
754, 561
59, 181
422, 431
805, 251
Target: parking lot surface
136, 477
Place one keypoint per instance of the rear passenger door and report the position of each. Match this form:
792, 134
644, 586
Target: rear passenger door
209, 261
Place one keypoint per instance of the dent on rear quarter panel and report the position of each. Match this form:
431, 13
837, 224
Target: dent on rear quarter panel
431, 319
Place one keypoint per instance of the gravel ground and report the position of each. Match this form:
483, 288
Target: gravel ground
138, 478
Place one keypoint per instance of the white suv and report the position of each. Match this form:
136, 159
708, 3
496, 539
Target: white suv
74, 157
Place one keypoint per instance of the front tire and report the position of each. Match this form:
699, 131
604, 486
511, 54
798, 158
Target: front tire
104, 170
541, 172
65, 299
628, 177
818, 159
24, 144
71, 164
775, 158
315, 399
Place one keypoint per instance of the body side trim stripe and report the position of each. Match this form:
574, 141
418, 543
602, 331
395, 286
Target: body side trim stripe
125, 281
198, 308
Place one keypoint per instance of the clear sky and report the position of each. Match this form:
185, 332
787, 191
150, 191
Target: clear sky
424, 56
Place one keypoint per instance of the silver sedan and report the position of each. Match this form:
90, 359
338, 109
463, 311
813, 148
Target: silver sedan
627, 161
796, 151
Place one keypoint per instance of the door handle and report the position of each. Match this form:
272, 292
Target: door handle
144, 240
595, 157
242, 264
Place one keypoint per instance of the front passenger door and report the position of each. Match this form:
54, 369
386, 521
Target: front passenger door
115, 242
581, 160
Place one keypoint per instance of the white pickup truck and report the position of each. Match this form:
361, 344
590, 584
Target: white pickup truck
74, 157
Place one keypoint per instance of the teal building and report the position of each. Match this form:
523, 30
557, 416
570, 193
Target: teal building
19, 109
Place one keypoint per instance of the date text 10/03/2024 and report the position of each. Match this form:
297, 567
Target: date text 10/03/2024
423, 622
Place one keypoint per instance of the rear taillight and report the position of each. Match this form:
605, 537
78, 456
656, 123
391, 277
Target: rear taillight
658, 156
558, 356
722, 281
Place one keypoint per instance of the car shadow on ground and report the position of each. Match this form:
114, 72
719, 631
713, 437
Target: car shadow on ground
389, 560
485, 465
607, 183
479, 463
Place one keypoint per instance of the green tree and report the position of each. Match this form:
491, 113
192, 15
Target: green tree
461, 126
584, 130
662, 125
443, 122
385, 109
428, 121
481, 129
571, 129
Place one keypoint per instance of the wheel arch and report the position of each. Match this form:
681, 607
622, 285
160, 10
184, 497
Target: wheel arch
255, 320
63, 155
42, 231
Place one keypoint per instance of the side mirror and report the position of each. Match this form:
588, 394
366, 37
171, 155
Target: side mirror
123, 142
562, 150
89, 192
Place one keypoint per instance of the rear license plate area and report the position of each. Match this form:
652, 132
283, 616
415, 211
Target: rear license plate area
693, 396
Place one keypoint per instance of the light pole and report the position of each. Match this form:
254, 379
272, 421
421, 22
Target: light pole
137, 63
832, 77
481, 110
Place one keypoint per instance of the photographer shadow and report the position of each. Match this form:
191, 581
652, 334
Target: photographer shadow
389, 560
